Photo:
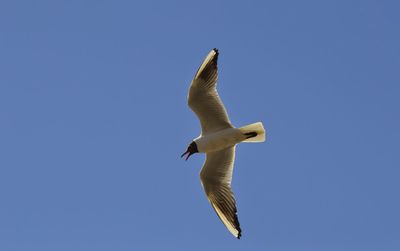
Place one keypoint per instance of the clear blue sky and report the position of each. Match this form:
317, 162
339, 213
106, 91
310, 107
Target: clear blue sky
93, 119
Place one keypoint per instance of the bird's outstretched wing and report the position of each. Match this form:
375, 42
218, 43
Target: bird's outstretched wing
216, 177
203, 97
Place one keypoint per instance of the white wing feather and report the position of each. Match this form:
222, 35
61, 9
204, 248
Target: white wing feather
216, 177
203, 97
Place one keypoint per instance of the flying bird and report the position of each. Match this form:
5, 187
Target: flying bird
217, 140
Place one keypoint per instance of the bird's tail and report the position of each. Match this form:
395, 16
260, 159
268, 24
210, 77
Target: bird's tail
254, 132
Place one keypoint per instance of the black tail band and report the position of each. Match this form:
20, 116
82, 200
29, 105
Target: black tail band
250, 135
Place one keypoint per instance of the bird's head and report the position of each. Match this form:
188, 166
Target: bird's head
192, 148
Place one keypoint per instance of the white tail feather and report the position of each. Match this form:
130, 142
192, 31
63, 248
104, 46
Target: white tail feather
254, 128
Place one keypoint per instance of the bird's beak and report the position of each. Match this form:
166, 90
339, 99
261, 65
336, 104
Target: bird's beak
188, 154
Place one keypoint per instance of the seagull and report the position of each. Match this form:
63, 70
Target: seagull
217, 140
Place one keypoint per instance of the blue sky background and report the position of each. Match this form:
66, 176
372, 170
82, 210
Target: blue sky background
93, 119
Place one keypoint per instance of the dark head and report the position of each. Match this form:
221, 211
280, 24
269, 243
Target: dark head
192, 148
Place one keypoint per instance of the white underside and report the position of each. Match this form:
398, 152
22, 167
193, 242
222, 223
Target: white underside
219, 140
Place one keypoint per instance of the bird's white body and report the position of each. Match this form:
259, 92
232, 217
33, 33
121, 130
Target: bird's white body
219, 140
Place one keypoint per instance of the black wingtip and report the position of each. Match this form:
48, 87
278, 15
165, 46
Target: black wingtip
237, 224
216, 51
